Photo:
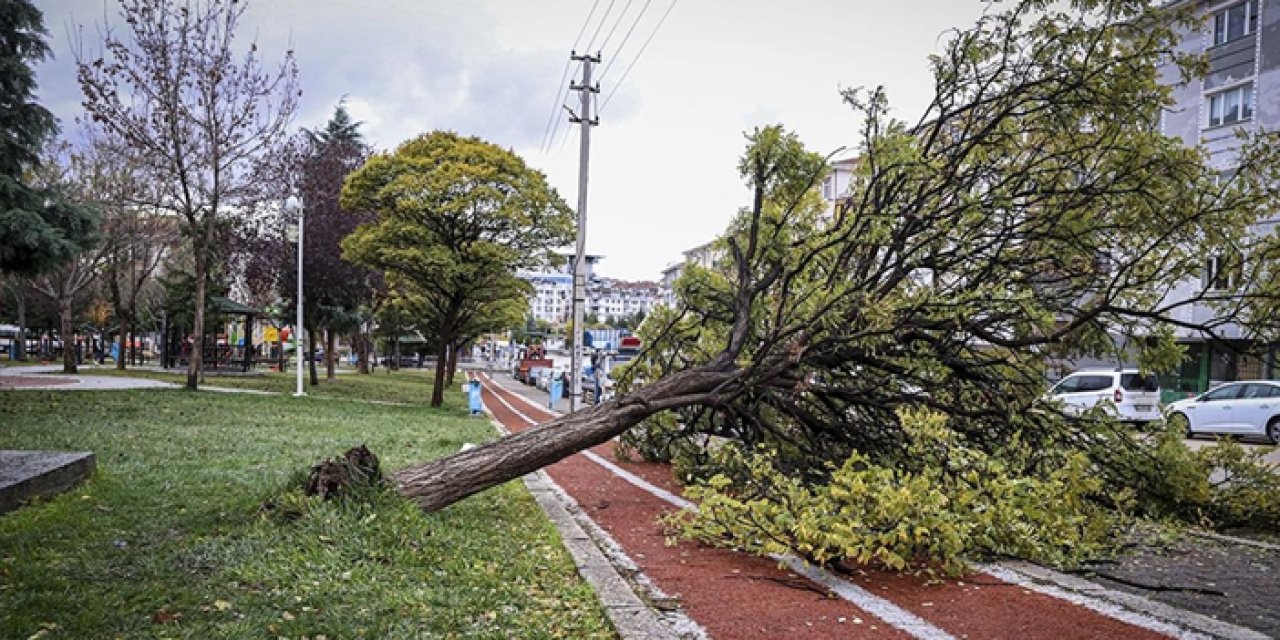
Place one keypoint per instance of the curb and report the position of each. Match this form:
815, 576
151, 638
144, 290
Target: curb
597, 558
631, 616
1131, 608
1209, 535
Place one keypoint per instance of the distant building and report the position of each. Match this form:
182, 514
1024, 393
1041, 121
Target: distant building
835, 187
609, 299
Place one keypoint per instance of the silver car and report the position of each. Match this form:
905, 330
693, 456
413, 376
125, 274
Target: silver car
1245, 408
1127, 394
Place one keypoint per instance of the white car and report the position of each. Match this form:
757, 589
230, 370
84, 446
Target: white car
1246, 408
544, 380
1128, 394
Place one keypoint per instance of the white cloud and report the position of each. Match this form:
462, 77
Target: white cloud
663, 174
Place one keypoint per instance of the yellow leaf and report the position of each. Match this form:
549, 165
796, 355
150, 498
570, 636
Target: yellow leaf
221, 605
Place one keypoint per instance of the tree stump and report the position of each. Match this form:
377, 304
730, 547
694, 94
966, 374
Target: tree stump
358, 467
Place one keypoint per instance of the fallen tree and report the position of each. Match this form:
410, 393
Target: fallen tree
1033, 212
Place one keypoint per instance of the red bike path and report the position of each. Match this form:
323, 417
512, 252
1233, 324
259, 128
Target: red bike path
736, 595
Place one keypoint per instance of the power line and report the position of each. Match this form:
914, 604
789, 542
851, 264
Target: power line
607, 11
547, 135
638, 55
605, 45
618, 53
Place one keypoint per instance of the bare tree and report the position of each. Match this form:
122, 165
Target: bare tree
199, 113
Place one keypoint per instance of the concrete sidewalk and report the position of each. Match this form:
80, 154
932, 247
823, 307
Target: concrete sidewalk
49, 377
29, 377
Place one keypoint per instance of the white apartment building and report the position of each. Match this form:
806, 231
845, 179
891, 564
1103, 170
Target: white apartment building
609, 299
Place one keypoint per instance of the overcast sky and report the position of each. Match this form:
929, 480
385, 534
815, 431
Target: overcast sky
663, 160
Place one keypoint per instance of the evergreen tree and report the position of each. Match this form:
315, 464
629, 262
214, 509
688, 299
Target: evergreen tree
39, 227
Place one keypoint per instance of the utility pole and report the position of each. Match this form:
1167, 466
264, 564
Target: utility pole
579, 257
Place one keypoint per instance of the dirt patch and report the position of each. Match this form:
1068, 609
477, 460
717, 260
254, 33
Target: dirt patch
1232, 582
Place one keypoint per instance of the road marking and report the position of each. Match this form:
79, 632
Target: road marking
890, 613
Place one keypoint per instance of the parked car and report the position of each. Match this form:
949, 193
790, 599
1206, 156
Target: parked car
1246, 408
535, 373
544, 380
1127, 394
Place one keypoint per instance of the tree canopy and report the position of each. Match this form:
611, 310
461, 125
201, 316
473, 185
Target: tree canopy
39, 227
456, 217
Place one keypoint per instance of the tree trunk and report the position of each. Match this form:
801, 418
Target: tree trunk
453, 365
68, 335
311, 356
362, 350
395, 354
442, 361
280, 344
196, 366
21, 300
124, 331
442, 482
331, 341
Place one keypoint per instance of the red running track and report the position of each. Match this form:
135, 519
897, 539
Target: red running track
735, 595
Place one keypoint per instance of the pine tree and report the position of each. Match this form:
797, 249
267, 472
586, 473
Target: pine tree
39, 228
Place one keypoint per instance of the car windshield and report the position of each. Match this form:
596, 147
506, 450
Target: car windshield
1139, 382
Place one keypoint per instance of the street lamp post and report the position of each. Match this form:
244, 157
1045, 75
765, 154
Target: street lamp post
293, 203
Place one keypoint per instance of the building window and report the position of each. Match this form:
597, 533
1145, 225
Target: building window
1232, 105
1224, 273
1235, 22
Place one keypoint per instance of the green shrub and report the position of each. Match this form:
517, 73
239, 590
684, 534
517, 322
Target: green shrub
955, 501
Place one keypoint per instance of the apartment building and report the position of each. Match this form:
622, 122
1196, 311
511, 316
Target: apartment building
609, 299
1241, 39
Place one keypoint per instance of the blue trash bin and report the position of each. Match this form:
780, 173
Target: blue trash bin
555, 391
473, 397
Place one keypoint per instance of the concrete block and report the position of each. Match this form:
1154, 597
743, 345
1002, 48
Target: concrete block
29, 474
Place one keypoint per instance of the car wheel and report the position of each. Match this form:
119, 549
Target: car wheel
1273, 431
1180, 421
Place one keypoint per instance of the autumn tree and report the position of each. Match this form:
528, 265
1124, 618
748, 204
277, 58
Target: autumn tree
70, 174
456, 217
198, 111
135, 236
898, 340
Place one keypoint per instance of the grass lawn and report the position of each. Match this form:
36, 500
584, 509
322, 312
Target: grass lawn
412, 386
169, 538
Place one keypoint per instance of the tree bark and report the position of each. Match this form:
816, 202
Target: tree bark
311, 356
453, 365
362, 351
331, 341
196, 366
440, 483
68, 335
124, 331
21, 301
280, 346
442, 361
